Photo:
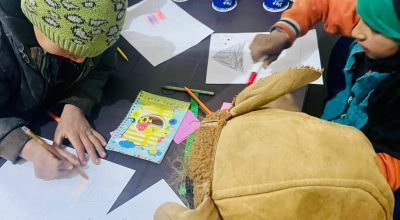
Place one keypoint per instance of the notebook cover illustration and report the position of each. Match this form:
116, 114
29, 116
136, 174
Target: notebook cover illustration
149, 127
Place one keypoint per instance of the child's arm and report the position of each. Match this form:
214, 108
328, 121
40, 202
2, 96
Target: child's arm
338, 17
12, 138
390, 168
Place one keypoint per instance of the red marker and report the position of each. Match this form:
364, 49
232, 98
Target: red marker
254, 70
251, 79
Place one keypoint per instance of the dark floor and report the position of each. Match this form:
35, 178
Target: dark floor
314, 100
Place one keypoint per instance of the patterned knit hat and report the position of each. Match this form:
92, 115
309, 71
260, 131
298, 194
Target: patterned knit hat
82, 27
383, 16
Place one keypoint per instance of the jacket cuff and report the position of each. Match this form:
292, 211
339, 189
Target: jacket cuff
12, 144
84, 104
290, 27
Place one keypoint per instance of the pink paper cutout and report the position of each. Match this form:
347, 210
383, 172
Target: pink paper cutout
189, 125
226, 105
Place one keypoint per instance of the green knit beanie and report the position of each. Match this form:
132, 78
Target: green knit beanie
82, 27
382, 16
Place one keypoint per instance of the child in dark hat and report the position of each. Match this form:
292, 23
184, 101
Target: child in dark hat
370, 97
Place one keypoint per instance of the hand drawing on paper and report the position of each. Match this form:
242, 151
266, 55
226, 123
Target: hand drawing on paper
231, 57
303, 52
62, 199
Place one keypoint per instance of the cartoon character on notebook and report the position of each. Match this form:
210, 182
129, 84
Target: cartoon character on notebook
143, 123
149, 127
148, 130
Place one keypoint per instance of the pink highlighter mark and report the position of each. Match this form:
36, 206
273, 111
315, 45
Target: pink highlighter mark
160, 15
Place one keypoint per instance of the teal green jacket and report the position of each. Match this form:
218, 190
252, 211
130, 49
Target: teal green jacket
349, 106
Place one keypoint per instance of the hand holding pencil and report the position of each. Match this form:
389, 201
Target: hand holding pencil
50, 162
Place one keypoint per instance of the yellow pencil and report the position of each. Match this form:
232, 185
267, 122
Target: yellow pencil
202, 105
122, 53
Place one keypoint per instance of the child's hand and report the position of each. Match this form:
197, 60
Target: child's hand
269, 45
47, 166
74, 126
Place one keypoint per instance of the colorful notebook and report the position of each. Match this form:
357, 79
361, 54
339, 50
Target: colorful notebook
149, 127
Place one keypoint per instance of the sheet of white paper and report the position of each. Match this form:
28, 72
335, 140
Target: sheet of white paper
144, 205
23, 196
229, 60
160, 30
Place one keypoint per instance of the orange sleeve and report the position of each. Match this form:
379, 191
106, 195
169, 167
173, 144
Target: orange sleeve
338, 17
390, 168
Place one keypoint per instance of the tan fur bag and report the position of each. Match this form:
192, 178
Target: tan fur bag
252, 162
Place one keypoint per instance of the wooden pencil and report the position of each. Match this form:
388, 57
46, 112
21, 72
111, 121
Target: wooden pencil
122, 54
52, 150
176, 88
202, 105
53, 116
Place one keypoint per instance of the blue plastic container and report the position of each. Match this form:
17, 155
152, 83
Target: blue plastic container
275, 5
224, 5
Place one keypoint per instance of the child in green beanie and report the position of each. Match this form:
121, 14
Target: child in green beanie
369, 98
55, 52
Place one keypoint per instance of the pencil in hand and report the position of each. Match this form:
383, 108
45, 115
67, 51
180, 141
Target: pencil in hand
52, 150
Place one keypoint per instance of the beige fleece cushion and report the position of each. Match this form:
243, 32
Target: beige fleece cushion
276, 164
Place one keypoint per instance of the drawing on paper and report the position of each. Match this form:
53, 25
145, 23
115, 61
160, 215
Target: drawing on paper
155, 17
149, 127
231, 57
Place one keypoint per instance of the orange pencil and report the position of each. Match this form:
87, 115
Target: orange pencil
53, 151
202, 105
53, 116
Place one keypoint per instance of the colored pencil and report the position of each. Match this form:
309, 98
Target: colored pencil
202, 105
176, 88
122, 54
53, 116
